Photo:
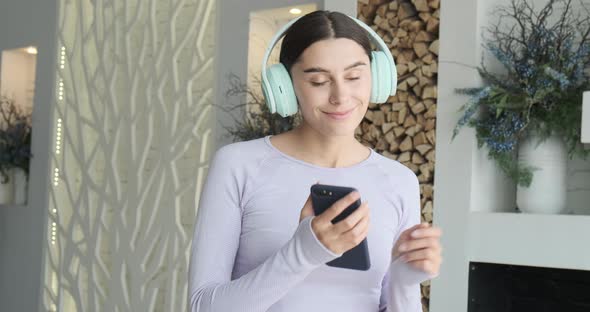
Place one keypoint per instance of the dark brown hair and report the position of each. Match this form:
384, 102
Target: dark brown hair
316, 26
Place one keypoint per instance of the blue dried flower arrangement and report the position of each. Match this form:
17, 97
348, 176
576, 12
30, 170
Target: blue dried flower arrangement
541, 92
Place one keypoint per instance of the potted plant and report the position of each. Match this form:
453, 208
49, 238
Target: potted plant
529, 116
258, 121
15, 147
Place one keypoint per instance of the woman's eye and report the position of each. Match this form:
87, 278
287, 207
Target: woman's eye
317, 84
354, 78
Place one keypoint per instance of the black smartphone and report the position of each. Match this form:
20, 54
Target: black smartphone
322, 197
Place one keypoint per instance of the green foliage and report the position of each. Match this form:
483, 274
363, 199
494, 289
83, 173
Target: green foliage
255, 120
15, 139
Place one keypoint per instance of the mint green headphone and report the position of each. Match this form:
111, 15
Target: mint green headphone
278, 88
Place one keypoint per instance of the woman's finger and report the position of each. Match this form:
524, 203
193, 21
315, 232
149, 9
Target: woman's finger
427, 266
359, 228
353, 219
414, 244
421, 254
327, 216
431, 231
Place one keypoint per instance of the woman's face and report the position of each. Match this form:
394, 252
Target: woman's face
332, 82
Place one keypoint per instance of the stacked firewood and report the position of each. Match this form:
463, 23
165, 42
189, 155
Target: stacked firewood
404, 128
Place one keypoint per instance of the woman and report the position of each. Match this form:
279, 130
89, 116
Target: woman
257, 244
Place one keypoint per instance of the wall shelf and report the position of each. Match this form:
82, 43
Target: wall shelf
530, 239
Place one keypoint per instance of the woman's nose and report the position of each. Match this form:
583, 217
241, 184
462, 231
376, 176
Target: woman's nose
339, 93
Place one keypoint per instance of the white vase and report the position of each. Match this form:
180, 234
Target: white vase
493, 190
547, 192
7, 189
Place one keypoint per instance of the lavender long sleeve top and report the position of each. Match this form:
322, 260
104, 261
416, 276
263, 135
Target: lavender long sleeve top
250, 253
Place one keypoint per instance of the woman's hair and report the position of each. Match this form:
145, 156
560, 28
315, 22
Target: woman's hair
316, 26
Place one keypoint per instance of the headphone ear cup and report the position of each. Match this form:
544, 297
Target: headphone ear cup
381, 78
284, 99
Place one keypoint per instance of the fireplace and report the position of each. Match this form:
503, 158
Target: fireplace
511, 288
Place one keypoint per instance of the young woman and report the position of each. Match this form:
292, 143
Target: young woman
257, 244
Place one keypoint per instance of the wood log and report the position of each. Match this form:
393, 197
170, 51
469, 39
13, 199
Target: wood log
378, 118
382, 10
424, 36
417, 158
425, 16
434, 4
393, 118
417, 89
406, 10
389, 155
429, 92
423, 149
426, 71
421, 49
420, 120
411, 166
421, 5
406, 144
396, 107
386, 127
419, 139
402, 69
434, 47
410, 121
401, 119
427, 191
382, 144
430, 155
432, 25
431, 113
429, 58
404, 157
369, 115
393, 144
412, 81
431, 136
398, 131
430, 124
411, 131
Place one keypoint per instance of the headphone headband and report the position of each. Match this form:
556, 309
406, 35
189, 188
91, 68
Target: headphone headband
373, 37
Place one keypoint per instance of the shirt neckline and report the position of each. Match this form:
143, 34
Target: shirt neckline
304, 163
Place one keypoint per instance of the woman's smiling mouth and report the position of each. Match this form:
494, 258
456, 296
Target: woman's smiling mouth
339, 115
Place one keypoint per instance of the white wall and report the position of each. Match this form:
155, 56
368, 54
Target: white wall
17, 77
22, 229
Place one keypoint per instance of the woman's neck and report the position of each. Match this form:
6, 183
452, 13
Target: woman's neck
308, 145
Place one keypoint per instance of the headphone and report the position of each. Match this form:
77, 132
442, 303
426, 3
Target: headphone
277, 86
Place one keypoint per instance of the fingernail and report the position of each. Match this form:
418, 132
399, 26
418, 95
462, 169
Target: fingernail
416, 233
402, 247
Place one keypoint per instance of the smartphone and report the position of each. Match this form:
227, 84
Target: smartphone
322, 197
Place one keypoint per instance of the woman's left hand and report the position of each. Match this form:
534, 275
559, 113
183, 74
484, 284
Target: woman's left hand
420, 247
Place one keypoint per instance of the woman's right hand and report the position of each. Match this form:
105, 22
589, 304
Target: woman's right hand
347, 233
